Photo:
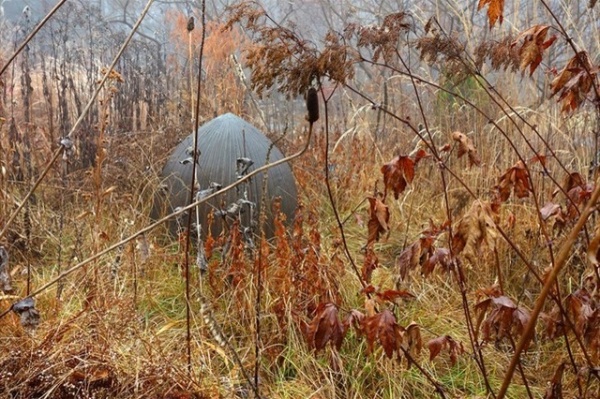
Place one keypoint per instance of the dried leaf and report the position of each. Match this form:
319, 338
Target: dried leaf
440, 256
500, 317
477, 227
382, 328
516, 178
550, 209
465, 146
392, 295
533, 45
495, 10
325, 327
370, 263
574, 81
554, 390
397, 174
438, 344
378, 220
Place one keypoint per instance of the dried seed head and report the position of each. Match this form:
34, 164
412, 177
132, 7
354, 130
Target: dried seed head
312, 105
190, 24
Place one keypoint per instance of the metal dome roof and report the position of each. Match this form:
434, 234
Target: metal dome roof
222, 141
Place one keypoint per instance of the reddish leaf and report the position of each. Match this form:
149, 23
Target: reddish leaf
325, 327
515, 178
454, 348
397, 174
465, 146
533, 43
370, 263
392, 295
382, 328
378, 220
554, 390
440, 256
499, 317
495, 10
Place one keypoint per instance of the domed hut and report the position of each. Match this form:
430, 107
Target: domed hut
229, 147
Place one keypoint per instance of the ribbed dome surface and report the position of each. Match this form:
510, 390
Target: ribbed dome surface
221, 142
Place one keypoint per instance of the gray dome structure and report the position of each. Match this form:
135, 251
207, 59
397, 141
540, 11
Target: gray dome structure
226, 144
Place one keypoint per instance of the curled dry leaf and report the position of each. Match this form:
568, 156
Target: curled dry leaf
475, 228
574, 81
397, 174
499, 317
465, 146
554, 390
495, 10
378, 220
412, 342
438, 344
325, 327
533, 43
382, 328
370, 263
516, 178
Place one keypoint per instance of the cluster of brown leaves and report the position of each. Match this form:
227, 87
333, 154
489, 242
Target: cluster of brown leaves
280, 58
382, 40
501, 54
575, 81
439, 48
499, 317
423, 253
533, 43
377, 328
515, 178
475, 228
583, 310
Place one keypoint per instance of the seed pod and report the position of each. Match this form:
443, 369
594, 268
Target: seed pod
190, 24
312, 105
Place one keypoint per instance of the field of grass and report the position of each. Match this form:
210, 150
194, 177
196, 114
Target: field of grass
351, 297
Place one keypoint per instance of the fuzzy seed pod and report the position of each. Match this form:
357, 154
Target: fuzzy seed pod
312, 105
